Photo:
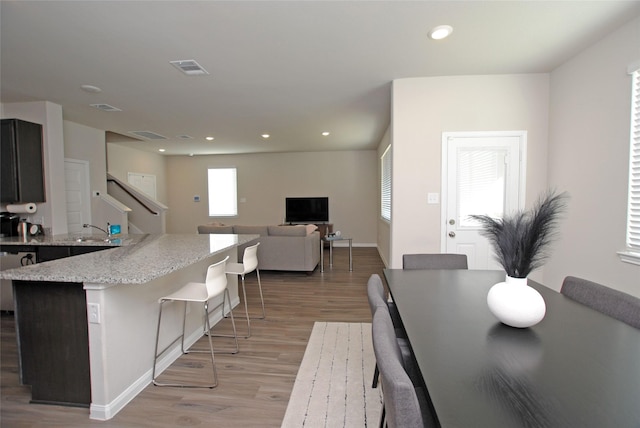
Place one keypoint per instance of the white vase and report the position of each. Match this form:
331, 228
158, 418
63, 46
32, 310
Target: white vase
516, 304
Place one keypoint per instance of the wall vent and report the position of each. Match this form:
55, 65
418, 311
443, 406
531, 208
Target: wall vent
148, 135
105, 107
189, 66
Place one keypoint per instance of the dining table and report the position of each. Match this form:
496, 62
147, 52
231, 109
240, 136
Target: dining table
576, 368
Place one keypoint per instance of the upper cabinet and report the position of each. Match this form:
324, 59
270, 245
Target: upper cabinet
21, 169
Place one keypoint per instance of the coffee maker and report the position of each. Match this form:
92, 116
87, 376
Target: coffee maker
9, 224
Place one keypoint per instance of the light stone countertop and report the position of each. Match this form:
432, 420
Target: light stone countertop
72, 240
140, 260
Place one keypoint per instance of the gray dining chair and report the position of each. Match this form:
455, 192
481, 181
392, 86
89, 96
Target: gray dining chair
403, 405
377, 298
615, 303
434, 261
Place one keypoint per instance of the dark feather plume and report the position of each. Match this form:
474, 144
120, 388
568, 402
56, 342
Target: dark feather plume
521, 241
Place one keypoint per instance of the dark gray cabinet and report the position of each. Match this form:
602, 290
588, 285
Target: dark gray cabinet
21, 168
45, 253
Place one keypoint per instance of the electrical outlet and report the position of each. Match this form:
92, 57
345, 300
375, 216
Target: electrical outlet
94, 313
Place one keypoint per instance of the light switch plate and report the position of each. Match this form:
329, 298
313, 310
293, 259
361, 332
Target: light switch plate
433, 198
94, 313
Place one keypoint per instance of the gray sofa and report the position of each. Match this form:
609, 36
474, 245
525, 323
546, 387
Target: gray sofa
288, 248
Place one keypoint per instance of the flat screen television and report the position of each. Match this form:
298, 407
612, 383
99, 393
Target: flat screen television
307, 210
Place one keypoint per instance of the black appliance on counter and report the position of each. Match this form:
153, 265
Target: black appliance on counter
9, 224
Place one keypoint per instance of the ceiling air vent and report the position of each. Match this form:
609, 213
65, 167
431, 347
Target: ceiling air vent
148, 135
185, 137
189, 66
105, 107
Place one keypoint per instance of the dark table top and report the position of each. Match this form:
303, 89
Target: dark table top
576, 368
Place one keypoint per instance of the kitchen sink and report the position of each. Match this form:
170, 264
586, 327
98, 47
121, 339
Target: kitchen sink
91, 239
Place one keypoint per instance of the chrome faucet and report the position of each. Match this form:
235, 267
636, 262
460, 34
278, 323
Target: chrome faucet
99, 228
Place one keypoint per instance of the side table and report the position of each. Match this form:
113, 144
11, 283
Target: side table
331, 240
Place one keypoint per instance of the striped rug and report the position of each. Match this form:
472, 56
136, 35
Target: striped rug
333, 385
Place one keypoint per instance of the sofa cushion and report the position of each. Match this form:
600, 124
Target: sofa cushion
251, 230
298, 230
207, 228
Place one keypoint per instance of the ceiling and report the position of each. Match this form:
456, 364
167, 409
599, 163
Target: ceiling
291, 69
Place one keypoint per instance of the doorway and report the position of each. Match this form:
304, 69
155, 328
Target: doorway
76, 173
482, 173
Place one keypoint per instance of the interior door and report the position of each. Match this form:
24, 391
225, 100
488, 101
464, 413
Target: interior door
76, 174
483, 173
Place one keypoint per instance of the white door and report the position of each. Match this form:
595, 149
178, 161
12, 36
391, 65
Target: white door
483, 173
76, 173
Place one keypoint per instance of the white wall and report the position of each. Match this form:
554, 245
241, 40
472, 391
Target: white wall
589, 157
348, 178
52, 214
88, 144
85, 143
123, 160
424, 108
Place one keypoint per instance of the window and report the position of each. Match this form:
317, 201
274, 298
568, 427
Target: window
385, 185
223, 201
632, 253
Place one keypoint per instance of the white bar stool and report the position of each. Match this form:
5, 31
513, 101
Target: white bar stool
215, 285
248, 265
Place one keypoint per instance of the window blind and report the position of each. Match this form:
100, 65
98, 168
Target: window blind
633, 217
385, 185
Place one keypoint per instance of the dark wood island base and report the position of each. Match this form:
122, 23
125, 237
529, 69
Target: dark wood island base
53, 342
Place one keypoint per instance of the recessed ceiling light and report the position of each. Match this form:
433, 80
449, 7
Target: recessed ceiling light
90, 88
440, 32
209, 138
161, 150
265, 136
326, 134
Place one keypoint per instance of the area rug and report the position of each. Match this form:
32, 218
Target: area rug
333, 385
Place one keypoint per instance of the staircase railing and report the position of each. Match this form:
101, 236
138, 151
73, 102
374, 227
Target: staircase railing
124, 189
147, 213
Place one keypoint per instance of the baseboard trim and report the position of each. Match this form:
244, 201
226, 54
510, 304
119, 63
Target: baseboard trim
108, 411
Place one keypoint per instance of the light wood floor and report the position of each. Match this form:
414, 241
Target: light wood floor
255, 384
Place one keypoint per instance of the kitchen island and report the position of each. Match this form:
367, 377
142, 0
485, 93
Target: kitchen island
86, 324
